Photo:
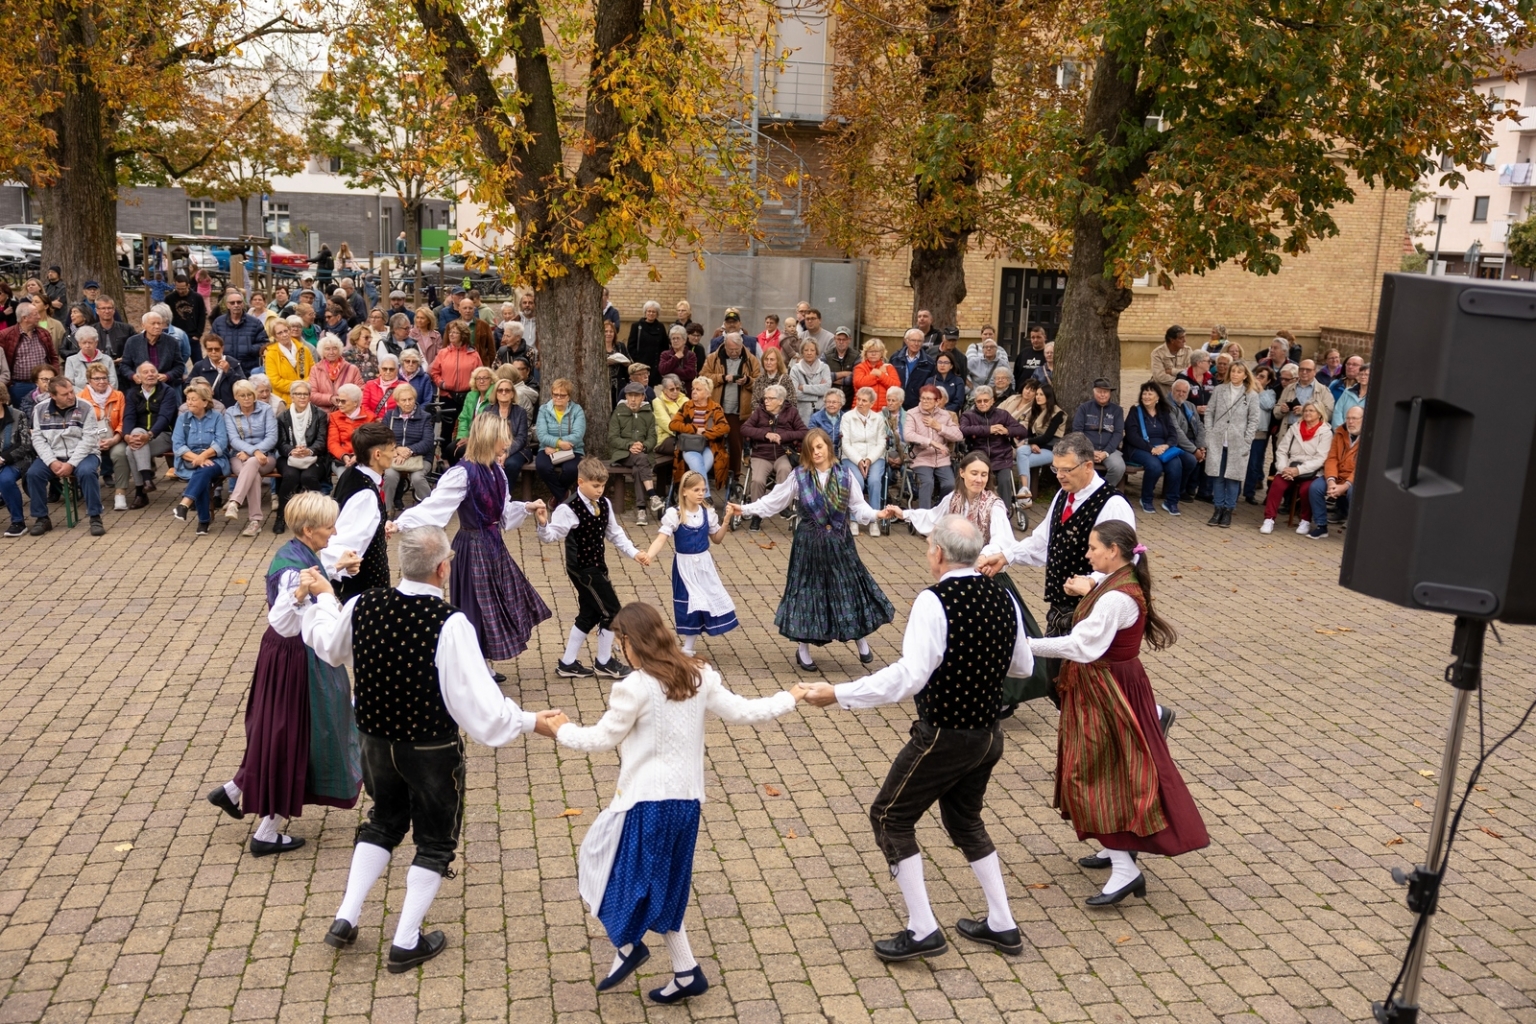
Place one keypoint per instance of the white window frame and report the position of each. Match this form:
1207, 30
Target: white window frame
203, 216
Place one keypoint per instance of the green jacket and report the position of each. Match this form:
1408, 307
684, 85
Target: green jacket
625, 427
473, 403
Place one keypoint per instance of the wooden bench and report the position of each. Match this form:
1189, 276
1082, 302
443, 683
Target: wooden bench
618, 484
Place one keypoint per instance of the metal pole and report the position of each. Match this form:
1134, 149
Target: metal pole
752, 142
1434, 267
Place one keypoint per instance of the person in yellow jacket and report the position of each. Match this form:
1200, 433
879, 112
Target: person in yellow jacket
287, 360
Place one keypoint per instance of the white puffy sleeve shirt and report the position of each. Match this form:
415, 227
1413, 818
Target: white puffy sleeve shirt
780, 498
445, 500
1090, 639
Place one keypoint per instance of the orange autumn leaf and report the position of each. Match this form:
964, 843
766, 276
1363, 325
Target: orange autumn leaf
1491, 832
1394, 841
791, 835
772, 791
1123, 938
570, 812
1039, 885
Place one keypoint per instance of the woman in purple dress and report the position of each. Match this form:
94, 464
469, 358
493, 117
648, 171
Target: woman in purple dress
486, 585
301, 743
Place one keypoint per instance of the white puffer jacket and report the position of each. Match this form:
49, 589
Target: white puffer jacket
1310, 455
863, 436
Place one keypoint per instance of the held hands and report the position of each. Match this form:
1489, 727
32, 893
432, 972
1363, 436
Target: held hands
732, 509
1078, 586
818, 695
891, 512
533, 508
547, 723
991, 565
350, 561
540, 513
643, 557
391, 528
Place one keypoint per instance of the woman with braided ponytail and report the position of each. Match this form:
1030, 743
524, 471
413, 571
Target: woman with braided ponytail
1115, 780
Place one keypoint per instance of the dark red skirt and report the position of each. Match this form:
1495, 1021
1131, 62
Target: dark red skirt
1186, 829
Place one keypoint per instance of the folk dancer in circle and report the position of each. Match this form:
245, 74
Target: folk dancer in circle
829, 596
1115, 780
700, 603
419, 680
359, 492
301, 743
964, 635
487, 585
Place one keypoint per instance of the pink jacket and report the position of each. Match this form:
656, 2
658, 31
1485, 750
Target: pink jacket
922, 438
322, 391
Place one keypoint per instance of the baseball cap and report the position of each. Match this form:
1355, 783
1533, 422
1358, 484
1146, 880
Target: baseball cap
1103, 382
732, 313
90, 284
842, 330
951, 332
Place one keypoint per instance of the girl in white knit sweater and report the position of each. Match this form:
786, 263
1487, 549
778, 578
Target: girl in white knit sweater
636, 862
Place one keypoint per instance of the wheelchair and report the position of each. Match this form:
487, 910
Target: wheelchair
739, 489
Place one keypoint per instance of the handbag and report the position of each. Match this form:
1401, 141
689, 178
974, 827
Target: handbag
1019, 689
1170, 453
563, 455
692, 442
414, 464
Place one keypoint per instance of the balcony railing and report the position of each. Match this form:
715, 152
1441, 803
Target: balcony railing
1516, 175
800, 91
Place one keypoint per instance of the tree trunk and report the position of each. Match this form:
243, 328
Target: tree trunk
412, 210
938, 281
79, 207
245, 215
1088, 339
570, 340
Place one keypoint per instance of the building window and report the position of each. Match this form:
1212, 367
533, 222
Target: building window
275, 222
204, 216
1479, 209
1447, 162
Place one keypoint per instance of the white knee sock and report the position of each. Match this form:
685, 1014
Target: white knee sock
368, 863
989, 873
920, 919
863, 647
804, 651
1123, 870
688, 642
1158, 709
421, 885
266, 829
619, 953
233, 791
679, 951
604, 645
574, 645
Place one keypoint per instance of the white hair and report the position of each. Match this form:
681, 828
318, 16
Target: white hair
776, 391
511, 328
326, 341
82, 333
162, 310
389, 358
422, 549
351, 392
913, 332
957, 539
652, 304
151, 313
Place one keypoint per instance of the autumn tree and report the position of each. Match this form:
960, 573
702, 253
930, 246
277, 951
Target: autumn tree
600, 132
929, 98
90, 85
237, 163
1227, 130
385, 117
1521, 244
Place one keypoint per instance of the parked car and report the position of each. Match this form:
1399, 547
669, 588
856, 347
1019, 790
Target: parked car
34, 232
203, 258
18, 240
454, 271
282, 256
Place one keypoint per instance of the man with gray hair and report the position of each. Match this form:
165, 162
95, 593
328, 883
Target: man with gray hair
964, 635
418, 678
153, 345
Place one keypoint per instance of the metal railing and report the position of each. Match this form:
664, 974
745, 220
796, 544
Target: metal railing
800, 91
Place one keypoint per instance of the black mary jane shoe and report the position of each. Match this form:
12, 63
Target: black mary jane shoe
865, 659
804, 666
902, 946
262, 848
1095, 861
1010, 941
219, 797
1135, 887
1165, 720
342, 934
498, 676
428, 945
637, 956
697, 985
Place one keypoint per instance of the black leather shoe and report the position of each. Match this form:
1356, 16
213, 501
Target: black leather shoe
220, 799
498, 677
279, 524
427, 946
697, 985
865, 659
1094, 862
139, 499
637, 956
902, 946
1135, 887
341, 934
1215, 519
1010, 942
804, 666
1165, 720
261, 848
1226, 519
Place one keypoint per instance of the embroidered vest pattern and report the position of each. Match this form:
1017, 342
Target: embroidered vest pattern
966, 690
394, 654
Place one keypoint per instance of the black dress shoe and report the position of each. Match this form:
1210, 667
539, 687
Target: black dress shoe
696, 985
902, 946
1226, 519
219, 797
1009, 941
1135, 887
428, 945
804, 666
1095, 861
342, 934
498, 677
868, 657
139, 499
1165, 720
637, 956
261, 848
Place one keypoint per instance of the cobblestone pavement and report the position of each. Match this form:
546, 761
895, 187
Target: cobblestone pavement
1310, 722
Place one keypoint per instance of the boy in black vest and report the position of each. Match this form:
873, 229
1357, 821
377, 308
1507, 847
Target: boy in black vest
418, 678
360, 525
585, 522
956, 651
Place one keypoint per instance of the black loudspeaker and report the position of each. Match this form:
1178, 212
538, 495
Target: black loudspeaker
1444, 514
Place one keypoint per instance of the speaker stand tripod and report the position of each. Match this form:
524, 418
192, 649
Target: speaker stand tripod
1465, 675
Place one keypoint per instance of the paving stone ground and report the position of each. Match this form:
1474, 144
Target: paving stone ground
125, 897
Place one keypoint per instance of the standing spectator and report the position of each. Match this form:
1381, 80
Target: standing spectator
733, 371
864, 435
678, 360
1338, 474
813, 379
219, 370
732, 325
335, 323
1301, 455
843, 360
325, 266
648, 338
1199, 378
263, 313
448, 312
1234, 415
66, 436
481, 338
529, 322
619, 364
992, 431
875, 373
812, 330
287, 360
696, 343
26, 347
1332, 368
953, 384
1151, 442
189, 313
1347, 377
205, 289
914, 369
949, 344
88, 354
1218, 341
412, 428
1170, 358
930, 332
1032, 357
1278, 355
930, 431
251, 428
112, 332
775, 371
425, 337
984, 359
344, 420
610, 312
244, 336
56, 291
1043, 374
771, 337
1352, 397
511, 341
561, 431
201, 444
631, 443
108, 402
1300, 392
330, 375
359, 352
79, 317
1104, 424
1258, 453
303, 464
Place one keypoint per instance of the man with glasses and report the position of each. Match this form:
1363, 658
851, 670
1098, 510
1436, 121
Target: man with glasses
244, 336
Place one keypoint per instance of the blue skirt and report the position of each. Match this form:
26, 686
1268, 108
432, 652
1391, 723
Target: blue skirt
652, 870
696, 623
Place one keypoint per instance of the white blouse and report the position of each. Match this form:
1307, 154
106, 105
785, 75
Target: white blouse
999, 529
671, 520
779, 499
661, 741
1090, 638
445, 500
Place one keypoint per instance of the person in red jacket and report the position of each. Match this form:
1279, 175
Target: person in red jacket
349, 415
27, 346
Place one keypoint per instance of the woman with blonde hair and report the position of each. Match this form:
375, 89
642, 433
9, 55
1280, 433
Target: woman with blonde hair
1233, 415
560, 432
200, 442
287, 360
874, 372
252, 430
486, 584
1300, 455
301, 743
701, 431
424, 335
779, 374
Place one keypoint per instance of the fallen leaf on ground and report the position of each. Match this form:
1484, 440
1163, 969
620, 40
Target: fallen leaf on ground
123, 847
570, 812
1418, 803
1426, 773
1338, 807
772, 791
1039, 885
1480, 789
1195, 568
791, 835
1178, 576
239, 581
1490, 831
1492, 810
1123, 938
1394, 841
769, 546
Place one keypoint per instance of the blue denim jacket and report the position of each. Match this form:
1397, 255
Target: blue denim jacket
193, 435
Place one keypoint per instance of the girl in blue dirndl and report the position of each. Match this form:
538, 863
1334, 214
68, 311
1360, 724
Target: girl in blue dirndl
635, 866
828, 594
699, 600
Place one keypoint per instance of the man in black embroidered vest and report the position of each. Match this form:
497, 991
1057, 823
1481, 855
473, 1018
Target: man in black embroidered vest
418, 678
1060, 542
360, 526
585, 522
964, 635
